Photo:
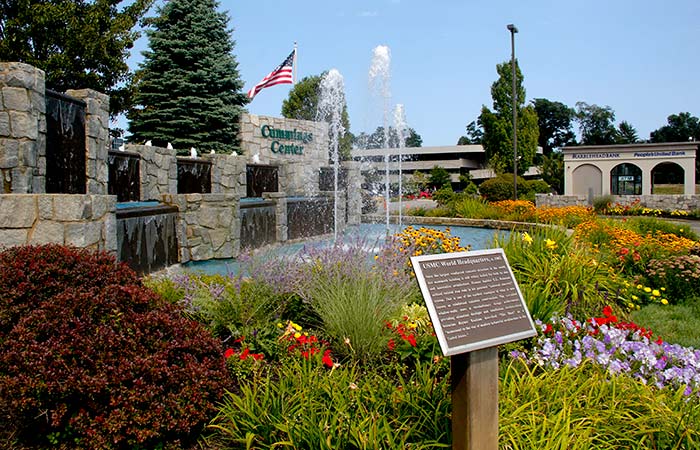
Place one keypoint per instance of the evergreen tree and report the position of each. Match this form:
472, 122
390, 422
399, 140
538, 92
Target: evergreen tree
497, 138
188, 90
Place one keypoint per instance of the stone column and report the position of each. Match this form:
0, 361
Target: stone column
96, 137
22, 129
354, 192
280, 199
226, 174
158, 171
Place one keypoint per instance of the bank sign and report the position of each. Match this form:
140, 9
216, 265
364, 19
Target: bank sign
295, 147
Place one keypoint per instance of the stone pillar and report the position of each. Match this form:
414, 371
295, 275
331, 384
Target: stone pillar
158, 171
96, 137
280, 200
22, 129
354, 192
227, 174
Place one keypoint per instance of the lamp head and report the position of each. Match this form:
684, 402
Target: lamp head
512, 28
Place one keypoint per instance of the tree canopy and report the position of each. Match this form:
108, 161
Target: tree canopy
475, 134
626, 133
498, 124
597, 124
188, 90
78, 44
555, 121
302, 104
681, 127
376, 139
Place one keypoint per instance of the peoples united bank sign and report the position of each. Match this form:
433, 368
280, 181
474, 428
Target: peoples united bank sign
295, 147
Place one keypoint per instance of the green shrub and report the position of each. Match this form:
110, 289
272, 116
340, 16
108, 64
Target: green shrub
444, 196
587, 407
499, 188
560, 276
90, 358
440, 211
475, 208
679, 275
304, 406
602, 203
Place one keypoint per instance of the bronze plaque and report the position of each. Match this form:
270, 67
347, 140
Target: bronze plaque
473, 300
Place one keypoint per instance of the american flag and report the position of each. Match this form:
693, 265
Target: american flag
281, 75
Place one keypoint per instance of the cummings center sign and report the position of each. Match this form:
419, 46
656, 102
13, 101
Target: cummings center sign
473, 300
277, 135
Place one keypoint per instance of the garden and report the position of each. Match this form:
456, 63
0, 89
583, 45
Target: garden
333, 348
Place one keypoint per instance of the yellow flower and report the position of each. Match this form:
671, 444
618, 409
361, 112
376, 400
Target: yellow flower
663, 288
639, 286
634, 297
550, 244
527, 238
296, 327
376, 257
655, 293
664, 301
297, 335
647, 289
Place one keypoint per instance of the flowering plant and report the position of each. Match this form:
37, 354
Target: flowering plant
618, 346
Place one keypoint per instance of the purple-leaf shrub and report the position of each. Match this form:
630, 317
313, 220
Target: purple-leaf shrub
91, 358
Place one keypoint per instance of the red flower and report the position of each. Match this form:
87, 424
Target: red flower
327, 358
229, 353
391, 344
411, 339
624, 251
244, 355
607, 311
548, 328
257, 356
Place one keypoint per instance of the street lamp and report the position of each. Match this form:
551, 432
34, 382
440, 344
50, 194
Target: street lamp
514, 30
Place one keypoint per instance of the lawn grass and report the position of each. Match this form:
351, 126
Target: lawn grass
677, 324
672, 189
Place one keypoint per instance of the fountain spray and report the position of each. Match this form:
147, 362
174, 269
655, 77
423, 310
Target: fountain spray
331, 101
379, 78
402, 133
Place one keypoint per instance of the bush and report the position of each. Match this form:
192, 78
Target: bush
500, 187
90, 358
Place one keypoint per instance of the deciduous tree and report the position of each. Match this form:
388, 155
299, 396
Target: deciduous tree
596, 123
681, 127
554, 120
302, 104
77, 43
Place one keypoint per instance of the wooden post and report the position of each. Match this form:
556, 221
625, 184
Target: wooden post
475, 400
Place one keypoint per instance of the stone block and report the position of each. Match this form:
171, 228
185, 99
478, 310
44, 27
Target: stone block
208, 217
17, 211
4, 124
16, 98
23, 125
13, 237
109, 233
83, 234
225, 251
27, 154
45, 203
69, 208
201, 253
219, 238
47, 232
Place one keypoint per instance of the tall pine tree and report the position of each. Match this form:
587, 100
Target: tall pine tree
497, 138
188, 90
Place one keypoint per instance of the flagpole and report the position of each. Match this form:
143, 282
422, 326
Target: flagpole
295, 63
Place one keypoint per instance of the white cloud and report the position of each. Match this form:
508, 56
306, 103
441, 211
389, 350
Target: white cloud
368, 14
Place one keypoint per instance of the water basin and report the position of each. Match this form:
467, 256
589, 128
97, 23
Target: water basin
371, 234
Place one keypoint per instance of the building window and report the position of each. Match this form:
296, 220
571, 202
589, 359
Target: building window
626, 179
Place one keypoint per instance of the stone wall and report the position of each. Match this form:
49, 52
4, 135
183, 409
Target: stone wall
663, 202
208, 225
86, 221
22, 129
298, 172
97, 137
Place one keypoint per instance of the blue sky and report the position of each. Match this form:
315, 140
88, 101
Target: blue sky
639, 57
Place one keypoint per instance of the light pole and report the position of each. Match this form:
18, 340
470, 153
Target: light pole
514, 30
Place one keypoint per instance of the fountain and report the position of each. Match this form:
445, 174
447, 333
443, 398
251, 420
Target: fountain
402, 133
330, 108
123, 175
65, 145
379, 79
193, 176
